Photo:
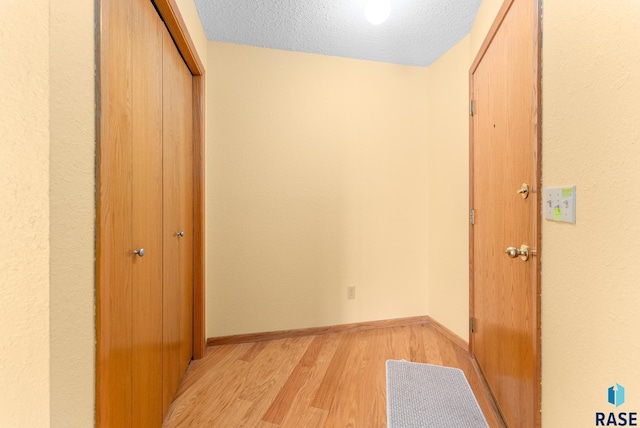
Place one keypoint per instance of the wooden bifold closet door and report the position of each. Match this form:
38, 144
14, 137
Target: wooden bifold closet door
145, 218
178, 218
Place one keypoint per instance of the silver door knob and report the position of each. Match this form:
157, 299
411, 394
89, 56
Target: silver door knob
180, 234
139, 253
514, 252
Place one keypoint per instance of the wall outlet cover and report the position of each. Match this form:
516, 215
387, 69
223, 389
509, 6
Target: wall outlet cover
351, 292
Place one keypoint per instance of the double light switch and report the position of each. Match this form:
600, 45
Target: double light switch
559, 204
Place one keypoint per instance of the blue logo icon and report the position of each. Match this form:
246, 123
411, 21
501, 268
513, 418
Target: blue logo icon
616, 395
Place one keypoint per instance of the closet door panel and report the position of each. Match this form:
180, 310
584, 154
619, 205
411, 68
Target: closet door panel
114, 244
146, 352
144, 302
186, 244
172, 188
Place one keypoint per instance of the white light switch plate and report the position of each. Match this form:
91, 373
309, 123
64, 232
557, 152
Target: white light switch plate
559, 204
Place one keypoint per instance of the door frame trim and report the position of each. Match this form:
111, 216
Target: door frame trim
537, 185
169, 13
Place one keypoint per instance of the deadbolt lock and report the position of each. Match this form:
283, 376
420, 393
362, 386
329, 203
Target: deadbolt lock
514, 252
524, 191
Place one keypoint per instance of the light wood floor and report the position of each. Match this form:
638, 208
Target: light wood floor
332, 380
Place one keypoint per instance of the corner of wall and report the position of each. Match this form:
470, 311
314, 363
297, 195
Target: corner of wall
448, 178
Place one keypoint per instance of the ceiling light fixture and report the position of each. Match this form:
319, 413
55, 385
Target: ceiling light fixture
377, 11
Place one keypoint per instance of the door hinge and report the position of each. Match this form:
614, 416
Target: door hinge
472, 107
472, 216
472, 325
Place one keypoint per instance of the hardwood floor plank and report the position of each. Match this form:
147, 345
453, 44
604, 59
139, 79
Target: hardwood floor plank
431, 346
263, 424
372, 390
309, 418
360, 397
228, 417
284, 400
269, 372
273, 366
301, 414
332, 380
417, 351
326, 392
255, 349
210, 394
215, 356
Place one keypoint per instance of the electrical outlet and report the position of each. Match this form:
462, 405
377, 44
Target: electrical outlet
351, 292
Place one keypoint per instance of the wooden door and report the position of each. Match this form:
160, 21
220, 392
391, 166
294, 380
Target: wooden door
129, 309
178, 218
504, 155
144, 326
146, 214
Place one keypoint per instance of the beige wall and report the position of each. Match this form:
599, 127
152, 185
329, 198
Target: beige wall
448, 183
448, 171
484, 20
72, 216
318, 181
24, 213
591, 138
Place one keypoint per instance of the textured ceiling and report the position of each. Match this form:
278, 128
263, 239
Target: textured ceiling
417, 32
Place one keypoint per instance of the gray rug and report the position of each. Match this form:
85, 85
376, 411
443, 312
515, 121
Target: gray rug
424, 395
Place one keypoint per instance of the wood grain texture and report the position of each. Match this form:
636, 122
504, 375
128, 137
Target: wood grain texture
536, 272
146, 216
170, 14
168, 10
497, 22
199, 218
177, 217
184, 83
171, 226
114, 244
504, 154
129, 321
314, 331
331, 380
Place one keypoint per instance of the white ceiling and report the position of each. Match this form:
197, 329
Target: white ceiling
417, 32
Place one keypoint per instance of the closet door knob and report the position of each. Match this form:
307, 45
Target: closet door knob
139, 253
180, 234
